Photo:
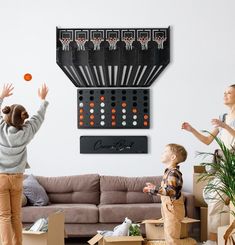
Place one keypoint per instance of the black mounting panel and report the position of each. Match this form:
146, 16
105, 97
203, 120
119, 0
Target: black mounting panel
113, 144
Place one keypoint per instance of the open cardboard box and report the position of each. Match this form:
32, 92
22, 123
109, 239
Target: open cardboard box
199, 186
116, 240
185, 241
203, 224
155, 230
54, 236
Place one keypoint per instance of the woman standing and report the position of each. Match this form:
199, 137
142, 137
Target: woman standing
225, 130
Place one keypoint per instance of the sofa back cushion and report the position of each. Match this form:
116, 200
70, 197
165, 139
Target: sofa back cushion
117, 189
72, 189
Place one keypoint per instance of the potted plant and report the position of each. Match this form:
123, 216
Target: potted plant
221, 177
134, 230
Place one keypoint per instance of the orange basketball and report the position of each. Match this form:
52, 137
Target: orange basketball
27, 77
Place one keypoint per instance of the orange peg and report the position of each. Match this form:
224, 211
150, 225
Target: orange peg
145, 123
92, 104
134, 110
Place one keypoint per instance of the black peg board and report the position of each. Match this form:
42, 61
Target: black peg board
113, 108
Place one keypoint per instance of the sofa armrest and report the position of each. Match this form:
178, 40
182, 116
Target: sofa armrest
189, 204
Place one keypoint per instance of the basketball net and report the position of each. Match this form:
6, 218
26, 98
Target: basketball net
65, 43
97, 42
160, 40
81, 43
144, 42
128, 41
112, 43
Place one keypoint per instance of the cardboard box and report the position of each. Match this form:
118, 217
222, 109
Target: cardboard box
54, 235
199, 169
116, 240
203, 224
198, 191
221, 232
155, 230
185, 241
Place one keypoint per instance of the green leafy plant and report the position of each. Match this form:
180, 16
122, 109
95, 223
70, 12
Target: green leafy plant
222, 177
134, 230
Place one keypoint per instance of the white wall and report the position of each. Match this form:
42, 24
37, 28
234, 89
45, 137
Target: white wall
190, 89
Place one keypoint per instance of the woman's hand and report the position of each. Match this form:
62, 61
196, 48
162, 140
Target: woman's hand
186, 126
218, 123
6, 90
42, 92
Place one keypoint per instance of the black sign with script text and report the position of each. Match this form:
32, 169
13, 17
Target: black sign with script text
114, 144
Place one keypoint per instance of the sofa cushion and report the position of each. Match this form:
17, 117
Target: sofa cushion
116, 213
35, 193
74, 213
117, 189
72, 189
23, 200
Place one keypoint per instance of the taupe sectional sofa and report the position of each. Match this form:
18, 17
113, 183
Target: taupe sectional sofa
92, 202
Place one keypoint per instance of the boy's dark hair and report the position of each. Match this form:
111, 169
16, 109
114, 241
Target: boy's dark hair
179, 151
15, 115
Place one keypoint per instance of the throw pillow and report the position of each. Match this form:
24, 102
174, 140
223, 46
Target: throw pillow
34, 192
23, 200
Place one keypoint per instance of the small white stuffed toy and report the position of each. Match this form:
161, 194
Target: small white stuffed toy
120, 230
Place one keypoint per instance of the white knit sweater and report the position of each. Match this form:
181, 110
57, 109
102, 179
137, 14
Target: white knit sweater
13, 142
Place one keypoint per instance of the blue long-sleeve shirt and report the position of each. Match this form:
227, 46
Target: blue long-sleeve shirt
13, 142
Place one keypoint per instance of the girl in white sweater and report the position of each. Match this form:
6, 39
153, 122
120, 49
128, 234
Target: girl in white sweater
15, 133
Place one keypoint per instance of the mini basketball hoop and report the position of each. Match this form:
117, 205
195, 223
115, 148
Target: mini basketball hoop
112, 43
128, 41
144, 42
160, 40
65, 43
81, 43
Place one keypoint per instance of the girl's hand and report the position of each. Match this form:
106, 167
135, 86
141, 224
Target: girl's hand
186, 126
218, 123
42, 92
6, 90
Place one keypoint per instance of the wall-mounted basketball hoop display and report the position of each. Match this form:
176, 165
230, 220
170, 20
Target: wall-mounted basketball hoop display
112, 69
113, 57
